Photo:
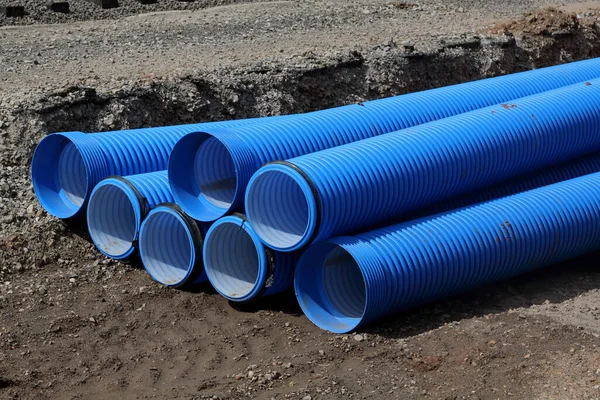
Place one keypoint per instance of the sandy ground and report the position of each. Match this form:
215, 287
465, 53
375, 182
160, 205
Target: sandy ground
74, 325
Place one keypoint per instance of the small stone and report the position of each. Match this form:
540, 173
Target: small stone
30, 210
250, 374
408, 45
321, 353
359, 338
307, 397
287, 365
461, 10
42, 290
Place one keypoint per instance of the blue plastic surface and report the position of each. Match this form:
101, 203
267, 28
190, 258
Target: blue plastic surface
240, 267
207, 194
374, 181
170, 246
117, 207
66, 166
345, 283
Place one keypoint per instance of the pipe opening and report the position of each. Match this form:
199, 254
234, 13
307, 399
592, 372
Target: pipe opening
280, 205
343, 285
231, 260
113, 220
215, 173
330, 288
202, 176
59, 176
166, 247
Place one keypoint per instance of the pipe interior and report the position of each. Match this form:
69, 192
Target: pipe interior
166, 248
231, 260
343, 285
59, 176
330, 288
112, 220
215, 173
71, 175
278, 209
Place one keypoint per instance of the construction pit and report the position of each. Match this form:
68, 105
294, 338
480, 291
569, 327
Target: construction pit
77, 325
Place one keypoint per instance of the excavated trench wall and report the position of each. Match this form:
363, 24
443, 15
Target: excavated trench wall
309, 83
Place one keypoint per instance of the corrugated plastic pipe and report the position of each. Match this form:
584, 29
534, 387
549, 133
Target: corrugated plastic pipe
350, 188
209, 171
571, 169
239, 266
170, 245
117, 207
66, 166
347, 282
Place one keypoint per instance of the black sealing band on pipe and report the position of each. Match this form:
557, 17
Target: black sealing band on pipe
144, 206
315, 193
143, 202
197, 239
270, 256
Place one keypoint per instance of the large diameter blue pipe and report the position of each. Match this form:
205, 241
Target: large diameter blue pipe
117, 207
170, 246
347, 282
239, 266
350, 188
67, 166
210, 170
585, 165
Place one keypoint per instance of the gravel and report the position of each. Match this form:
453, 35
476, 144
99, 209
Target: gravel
119, 335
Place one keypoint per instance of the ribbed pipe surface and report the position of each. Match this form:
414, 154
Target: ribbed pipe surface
66, 166
571, 169
350, 188
170, 245
117, 207
239, 266
236, 154
347, 282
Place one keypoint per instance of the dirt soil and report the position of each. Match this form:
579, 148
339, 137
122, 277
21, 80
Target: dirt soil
75, 325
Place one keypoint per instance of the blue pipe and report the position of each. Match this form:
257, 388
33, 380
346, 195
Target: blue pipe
239, 266
233, 155
170, 245
350, 188
572, 169
66, 166
117, 207
347, 282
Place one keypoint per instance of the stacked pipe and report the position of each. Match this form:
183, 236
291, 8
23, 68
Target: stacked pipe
282, 190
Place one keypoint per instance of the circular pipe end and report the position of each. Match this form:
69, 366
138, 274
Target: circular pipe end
282, 207
235, 259
114, 216
330, 288
202, 176
170, 247
64, 170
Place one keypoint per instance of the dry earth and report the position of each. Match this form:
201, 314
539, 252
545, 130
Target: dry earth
74, 325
